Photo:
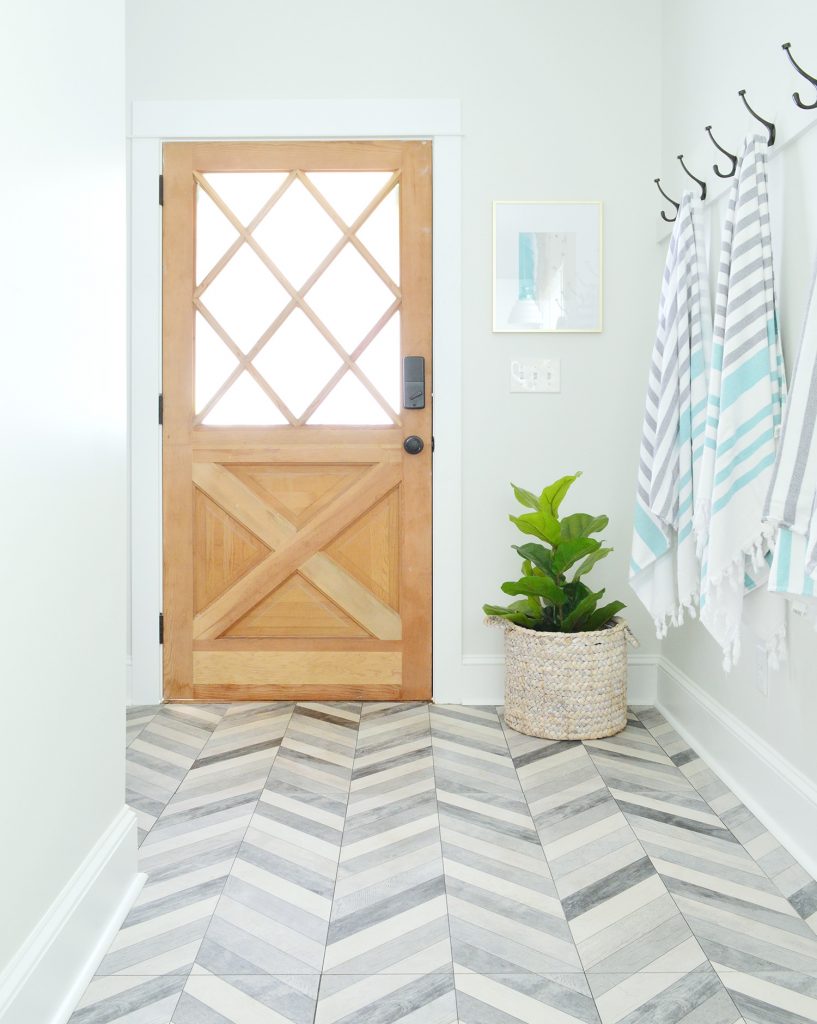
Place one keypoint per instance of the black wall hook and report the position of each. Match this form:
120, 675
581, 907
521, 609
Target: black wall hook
702, 184
767, 124
677, 206
732, 157
796, 95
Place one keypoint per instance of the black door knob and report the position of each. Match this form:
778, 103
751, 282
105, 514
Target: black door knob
413, 445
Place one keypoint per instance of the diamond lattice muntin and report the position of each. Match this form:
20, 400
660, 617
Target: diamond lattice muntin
297, 298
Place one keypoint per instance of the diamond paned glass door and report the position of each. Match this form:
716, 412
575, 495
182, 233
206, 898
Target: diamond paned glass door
297, 298
297, 526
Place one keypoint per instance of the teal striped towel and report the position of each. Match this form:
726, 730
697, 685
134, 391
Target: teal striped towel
746, 394
664, 567
791, 503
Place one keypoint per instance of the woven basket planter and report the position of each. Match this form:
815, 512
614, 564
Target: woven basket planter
566, 686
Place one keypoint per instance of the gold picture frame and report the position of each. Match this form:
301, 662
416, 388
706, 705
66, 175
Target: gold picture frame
548, 266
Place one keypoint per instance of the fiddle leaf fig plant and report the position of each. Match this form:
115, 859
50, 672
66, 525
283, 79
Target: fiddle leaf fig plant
553, 596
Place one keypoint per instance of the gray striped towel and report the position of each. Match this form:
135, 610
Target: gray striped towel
746, 393
664, 567
791, 503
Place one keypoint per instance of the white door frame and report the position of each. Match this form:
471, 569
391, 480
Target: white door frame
154, 122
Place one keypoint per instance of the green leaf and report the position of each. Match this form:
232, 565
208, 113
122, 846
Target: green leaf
569, 552
553, 495
520, 616
591, 560
574, 621
601, 616
525, 497
527, 569
538, 586
537, 554
538, 524
580, 524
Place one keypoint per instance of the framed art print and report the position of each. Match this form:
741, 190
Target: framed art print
547, 267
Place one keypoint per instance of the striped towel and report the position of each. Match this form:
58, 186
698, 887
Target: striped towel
746, 393
664, 568
791, 503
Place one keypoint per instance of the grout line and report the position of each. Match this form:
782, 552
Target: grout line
246, 830
128, 742
442, 859
182, 779
337, 868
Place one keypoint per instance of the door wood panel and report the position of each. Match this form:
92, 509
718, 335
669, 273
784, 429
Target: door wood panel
297, 552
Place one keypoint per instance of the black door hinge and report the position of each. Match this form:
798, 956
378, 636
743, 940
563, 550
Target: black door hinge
161, 190
432, 442
161, 409
161, 628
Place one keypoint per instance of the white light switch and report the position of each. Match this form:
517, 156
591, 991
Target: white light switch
535, 375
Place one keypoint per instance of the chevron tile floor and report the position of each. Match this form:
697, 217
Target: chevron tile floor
421, 864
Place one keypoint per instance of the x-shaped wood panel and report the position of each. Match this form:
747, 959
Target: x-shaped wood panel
295, 550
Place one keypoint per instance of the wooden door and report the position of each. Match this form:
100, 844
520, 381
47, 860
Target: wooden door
297, 529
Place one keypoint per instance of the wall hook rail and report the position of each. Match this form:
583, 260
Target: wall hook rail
701, 184
767, 124
677, 206
809, 78
726, 153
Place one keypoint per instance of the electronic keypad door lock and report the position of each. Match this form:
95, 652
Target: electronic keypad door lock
414, 382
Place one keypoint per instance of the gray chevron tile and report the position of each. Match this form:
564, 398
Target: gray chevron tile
274, 912
136, 718
620, 913
387, 999
772, 997
511, 998
160, 756
247, 999
129, 1000
334, 863
723, 893
504, 911
390, 912
696, 997
191, 848
792, 880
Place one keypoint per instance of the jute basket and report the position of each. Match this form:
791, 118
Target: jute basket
566, 686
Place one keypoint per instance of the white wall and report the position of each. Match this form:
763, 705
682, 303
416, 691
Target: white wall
559, 101
708, 54
62, 407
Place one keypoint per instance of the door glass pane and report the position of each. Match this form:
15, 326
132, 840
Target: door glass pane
349, 297
380, 361
297, 361
297, 233
245, 192
349, 404
349, 192
380, 233
214, 234
244, 404
214, 362
245, 298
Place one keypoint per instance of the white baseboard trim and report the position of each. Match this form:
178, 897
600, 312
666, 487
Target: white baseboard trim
44, 981
484, 678
774, 790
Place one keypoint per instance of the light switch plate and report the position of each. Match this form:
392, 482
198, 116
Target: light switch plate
534, 376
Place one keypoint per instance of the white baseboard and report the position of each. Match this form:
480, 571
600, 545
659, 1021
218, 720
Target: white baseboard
484, 678
774, 790
45, 980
